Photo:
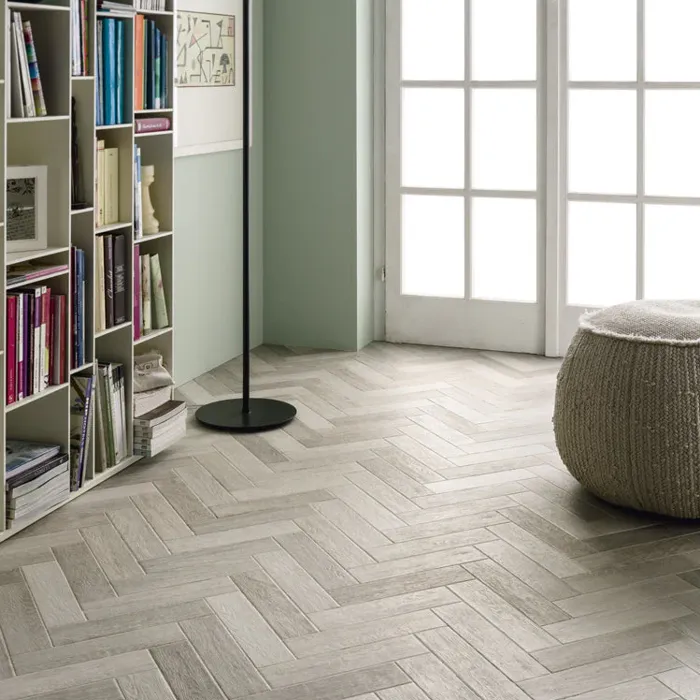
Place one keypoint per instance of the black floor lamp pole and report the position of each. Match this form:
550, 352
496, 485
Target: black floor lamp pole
246, 414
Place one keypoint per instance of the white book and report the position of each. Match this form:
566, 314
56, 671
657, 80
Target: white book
158, 294
146, 292
16, 100
122, 412
111, 185
116, 413
100, 183
27, 94
101, 309
20, 346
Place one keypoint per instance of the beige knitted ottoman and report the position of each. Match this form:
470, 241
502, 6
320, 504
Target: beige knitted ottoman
627, 411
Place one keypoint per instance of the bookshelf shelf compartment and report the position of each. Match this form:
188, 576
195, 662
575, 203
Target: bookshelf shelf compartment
113, 329
13, 258
35, 397
153, 335
113, 227
152, 237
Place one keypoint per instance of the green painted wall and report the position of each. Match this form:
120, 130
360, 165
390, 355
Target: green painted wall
208, 203
317, 213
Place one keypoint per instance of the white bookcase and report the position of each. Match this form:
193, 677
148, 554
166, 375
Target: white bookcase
47, 141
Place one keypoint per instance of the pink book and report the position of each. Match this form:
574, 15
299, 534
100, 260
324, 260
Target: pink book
20, 341
11, 350
148, 124
137, 292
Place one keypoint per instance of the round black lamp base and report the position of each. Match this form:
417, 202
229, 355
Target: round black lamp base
264, 414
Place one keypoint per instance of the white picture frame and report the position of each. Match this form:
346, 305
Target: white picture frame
26, 232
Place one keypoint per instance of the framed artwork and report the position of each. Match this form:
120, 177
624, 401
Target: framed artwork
206, 50
25, 219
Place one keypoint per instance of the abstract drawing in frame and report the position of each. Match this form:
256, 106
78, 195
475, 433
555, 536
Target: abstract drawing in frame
27, 189
205, 50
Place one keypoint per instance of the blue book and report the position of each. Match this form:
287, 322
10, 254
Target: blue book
109, 69
119, 81
151, 65
157, 72
164, 66
99, 96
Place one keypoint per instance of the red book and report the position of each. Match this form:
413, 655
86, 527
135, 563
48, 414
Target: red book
137, 292
52, 339
45, 337
149, 124
62, 327
11, 350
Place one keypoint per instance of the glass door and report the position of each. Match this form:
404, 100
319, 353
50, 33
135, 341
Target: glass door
465, 175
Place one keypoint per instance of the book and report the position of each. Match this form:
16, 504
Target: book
101, 310
146, 319
28, 478
20, 273
21, 341
35, 76
146, 125
17, 103
147, 401
109, 280
120, 306
111, 204
164, 72
120, 72
158, 294
39, 499
100, 172
11, 369
14, 522
109, 68
138, 204
160, 415
138, 62
81, 387
22, 455
106, 423
138, 300
27, 93
156, 71
99, 83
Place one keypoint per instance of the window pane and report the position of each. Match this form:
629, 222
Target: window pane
433, 39
433, 137
504, 249
504, 39
672, 46
672, 239
603, 141
432, 250
504, 139
603, 39
673, 143
601, 254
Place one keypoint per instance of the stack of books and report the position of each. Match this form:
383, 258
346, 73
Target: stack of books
111, 285
80, 41
159, 429
111, 71
154, 5
37, 479
26, 95
113, 7
78, 282
107, 185
111, 415
151, 66
82, 401
36, 342
150, 307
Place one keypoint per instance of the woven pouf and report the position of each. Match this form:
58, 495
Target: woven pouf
627, 411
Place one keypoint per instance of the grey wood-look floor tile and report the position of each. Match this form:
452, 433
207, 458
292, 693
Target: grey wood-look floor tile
137, 533
426, 545
131, 622
687, 651
74, 676
231, 537
27, 547
607, 646
278, 610
295, 582
335, 640
203, 485
683, 681
410, 691
599, 675
21, 625
315, 561
385, 607
353, 659
421, 562
601, 623
6, 670
422, 461
10, 562
491, 642
111, 552
96, 648
333, 541
407, 463
473, 495
243, 459
255, 518
187, 505
395, 478
228, 664
185, 674
271, 504
343, 686
398, 585
162, 517
102, 690
257, 639
149, 685
436, 680
472, 482
642, 689
478, 673
351, 524
445, 527
52, 594
461, 510
83, 573
385, 494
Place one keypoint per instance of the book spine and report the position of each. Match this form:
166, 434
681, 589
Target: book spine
53, 344
101, 289
83, 285
74, 307
152, 65
109, 59
158, 293
39, 103
62, 327
164, 71
111, 206
122, 411
11, 392
156, 77
120, 72
45, 336
36, 364
19, 342
90, 422
150, 124
138, 62
17, 107
27, 94
100, 183
109, 281
146, 292
99, 97
137, 292
120, 308
139, 193
85, 68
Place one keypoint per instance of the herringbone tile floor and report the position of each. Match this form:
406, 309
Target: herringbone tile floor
413, 536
